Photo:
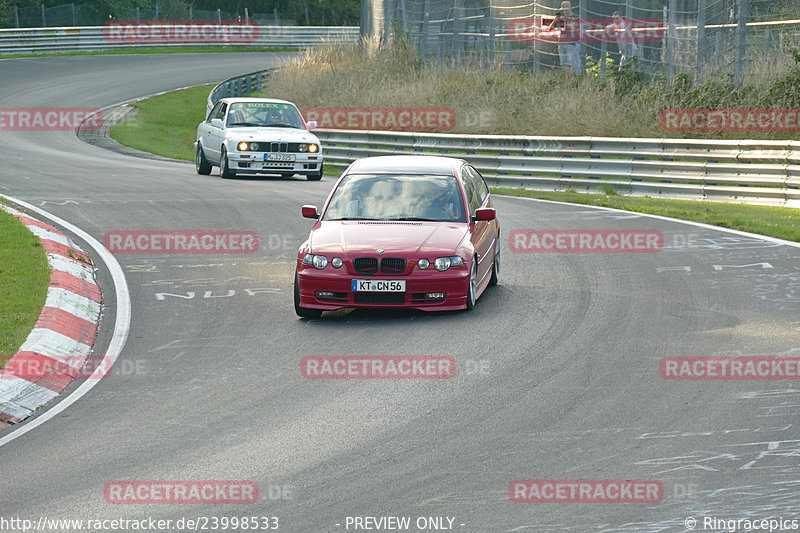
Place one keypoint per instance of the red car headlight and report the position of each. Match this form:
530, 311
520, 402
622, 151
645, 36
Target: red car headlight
444, 263
319, 261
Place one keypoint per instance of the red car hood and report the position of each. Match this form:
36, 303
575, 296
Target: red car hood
353, 238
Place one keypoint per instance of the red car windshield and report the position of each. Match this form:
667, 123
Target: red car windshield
434, 198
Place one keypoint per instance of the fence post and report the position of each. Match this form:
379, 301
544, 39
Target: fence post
426, 28
138, 15
403, 16
388, 21
492, 32
458, 20
219, 16
156, 17
603, 56
671, 40
44, 18
536, 52
741, 41
582, 38
191, 12
16, 17
767, 44
701, 33
508, 54
73, 14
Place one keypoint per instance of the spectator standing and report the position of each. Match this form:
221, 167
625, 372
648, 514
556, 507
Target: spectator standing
569, 45
625, 41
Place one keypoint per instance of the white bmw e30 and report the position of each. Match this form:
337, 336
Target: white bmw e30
257, 136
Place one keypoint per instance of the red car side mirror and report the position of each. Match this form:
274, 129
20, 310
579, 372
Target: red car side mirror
310, 211
484, 213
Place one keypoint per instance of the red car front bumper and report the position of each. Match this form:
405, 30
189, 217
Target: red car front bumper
454, 282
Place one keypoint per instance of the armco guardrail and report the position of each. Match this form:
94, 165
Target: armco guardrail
93, 38
757, 172
238, 86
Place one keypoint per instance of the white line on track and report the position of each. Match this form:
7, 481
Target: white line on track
660, 217
121, 325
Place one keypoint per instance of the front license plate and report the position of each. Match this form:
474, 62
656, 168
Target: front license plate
379, 285
278, 157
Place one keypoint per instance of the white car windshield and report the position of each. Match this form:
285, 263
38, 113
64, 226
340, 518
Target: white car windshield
264, 114
397, 197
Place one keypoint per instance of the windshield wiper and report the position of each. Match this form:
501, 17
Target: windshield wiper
279, 126
351, 218
243, 124
417, 219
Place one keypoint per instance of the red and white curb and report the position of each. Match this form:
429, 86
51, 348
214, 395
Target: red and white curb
64, 331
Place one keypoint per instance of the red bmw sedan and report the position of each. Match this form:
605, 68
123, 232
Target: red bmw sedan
408, 231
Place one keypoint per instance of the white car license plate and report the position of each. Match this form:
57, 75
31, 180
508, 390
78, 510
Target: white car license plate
379, 285
278, 157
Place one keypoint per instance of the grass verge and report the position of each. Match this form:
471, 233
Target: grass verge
181, 50
24, 278
165, 125
780, 222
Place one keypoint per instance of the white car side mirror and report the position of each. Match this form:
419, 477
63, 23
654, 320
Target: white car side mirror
311, 124
217, 122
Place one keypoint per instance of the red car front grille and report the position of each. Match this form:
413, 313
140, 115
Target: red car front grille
365, 265
370, 266
393, 265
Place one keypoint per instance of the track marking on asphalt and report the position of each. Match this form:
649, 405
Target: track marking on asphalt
668, 219
121, 325
161, 296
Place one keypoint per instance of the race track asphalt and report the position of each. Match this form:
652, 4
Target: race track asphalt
558, 366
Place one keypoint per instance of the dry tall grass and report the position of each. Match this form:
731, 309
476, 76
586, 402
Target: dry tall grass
496, 102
